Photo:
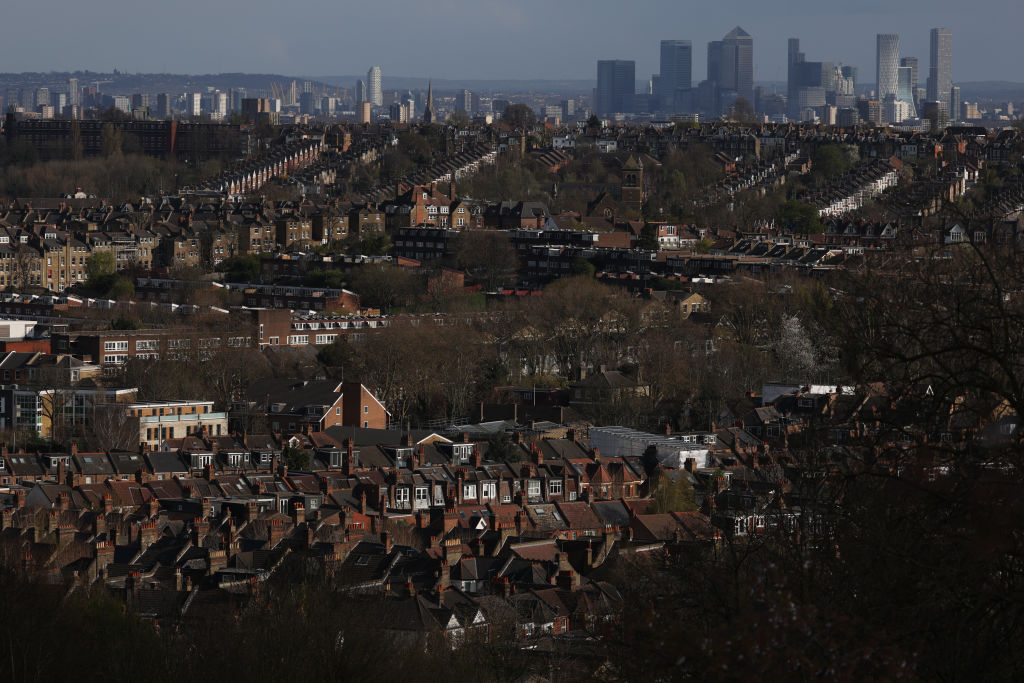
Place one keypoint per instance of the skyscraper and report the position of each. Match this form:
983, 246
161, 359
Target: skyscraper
912, 63
676, 71
940, 72
375, 86
193, 103
163, 105
74, 94
737, 67
616, 83
360, 91
811, 85
887, 51
904, 88
730, 72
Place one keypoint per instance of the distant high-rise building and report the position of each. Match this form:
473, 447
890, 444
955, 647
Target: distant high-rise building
74, 94
219, 108
936, 114
293, 94
253, 107
738, 64
844, 85
360, 91
676, 72
954, 103
307, 103
568, 109
235, 99
730, 71
123, 103
193, 103
810, 84
375, 86
163, 105
464, 102
904, 88
714, 60
913, 64
870, 110
364, 112
616, 84
940, 71
399, 112
887, 53
793, 60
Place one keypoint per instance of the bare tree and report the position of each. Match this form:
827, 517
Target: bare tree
113, 428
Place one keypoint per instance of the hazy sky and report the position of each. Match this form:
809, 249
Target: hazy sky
489, 38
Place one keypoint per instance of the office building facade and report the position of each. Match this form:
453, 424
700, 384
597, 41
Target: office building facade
676, 72
887, 59
375, 86
940, 71
616, 84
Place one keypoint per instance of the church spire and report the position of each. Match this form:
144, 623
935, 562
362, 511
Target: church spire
428, 112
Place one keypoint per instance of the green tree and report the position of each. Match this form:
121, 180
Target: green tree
100, 264
330, 277
830, 161
581, 266
674, 493
337, 354
296, 458
500, 447
800, 217
648, 238
375, 244
241, 268
121, 289
125, 322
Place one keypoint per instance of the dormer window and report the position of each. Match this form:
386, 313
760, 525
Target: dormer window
200, 460
335, 458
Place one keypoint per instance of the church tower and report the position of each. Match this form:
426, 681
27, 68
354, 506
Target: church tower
428, 112
633, 186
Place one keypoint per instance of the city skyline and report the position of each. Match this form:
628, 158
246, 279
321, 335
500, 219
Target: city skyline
488, 48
